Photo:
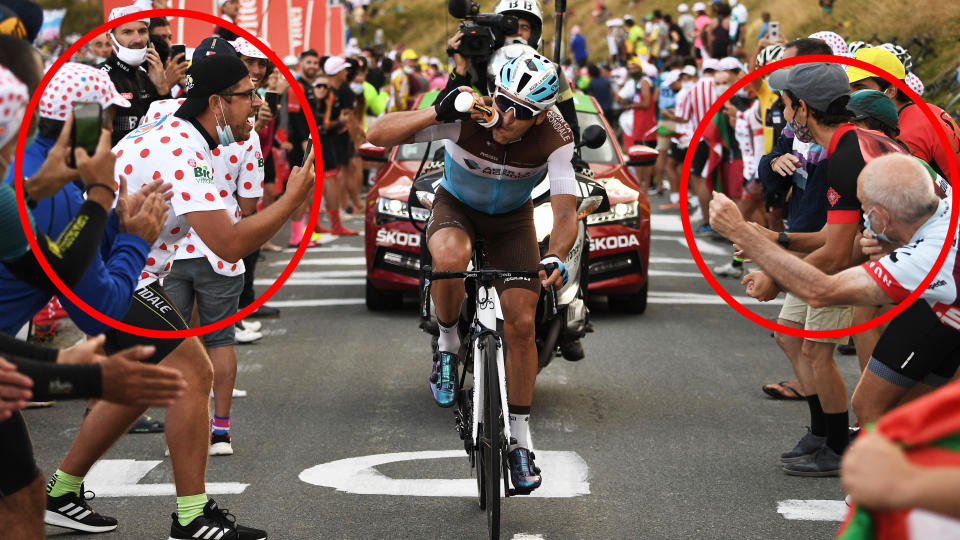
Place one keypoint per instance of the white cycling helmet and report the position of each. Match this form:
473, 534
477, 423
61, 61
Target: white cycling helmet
532, 79
527, 9
503, 55
770, 53
855, 46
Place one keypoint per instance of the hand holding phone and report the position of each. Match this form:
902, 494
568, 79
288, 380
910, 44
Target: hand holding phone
176, 49
308, 151
774, 31
85, 131
273, 101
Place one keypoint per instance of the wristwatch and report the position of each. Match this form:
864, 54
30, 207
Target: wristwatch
783, 240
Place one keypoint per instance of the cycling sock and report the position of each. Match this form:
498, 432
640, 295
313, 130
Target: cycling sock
449, 340
818, 421
62, 483
220, 425
838, 431
190, 507
520, 430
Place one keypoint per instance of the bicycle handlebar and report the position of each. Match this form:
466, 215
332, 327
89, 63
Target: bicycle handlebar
485, 275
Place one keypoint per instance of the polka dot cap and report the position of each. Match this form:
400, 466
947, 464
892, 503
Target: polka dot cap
914, 83
246, 48
78, 82
13, 102
116, 13
836, 43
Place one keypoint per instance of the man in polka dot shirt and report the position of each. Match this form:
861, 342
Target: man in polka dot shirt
178, 149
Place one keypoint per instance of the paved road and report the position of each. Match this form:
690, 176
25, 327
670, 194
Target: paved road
661, 432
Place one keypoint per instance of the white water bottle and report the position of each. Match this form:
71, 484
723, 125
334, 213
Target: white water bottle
466, 103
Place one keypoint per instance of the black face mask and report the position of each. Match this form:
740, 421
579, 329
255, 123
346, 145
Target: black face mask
636, 76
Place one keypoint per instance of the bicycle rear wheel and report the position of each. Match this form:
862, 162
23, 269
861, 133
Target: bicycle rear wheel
492, 446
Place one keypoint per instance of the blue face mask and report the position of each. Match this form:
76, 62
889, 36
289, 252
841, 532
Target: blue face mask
225, 134
881, 236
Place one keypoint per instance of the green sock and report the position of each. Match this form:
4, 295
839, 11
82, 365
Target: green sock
62, 483
189, 507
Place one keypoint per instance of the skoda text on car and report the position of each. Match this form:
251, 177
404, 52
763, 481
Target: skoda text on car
619, 238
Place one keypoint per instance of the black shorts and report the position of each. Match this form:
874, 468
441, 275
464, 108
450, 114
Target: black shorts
700, 157
269, 171
328, 150
17, 466
675, 152
152, 309
916, 348
510, 239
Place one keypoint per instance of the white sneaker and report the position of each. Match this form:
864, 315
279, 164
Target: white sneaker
237, 393
220, 445
243, 336
253, 326
729, 270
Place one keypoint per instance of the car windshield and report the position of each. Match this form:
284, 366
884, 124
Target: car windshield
605, 154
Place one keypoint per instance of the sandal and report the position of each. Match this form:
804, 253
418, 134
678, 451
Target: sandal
790, 394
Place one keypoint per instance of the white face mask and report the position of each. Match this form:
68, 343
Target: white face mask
356, 88
131, 57
686, 84
408, 70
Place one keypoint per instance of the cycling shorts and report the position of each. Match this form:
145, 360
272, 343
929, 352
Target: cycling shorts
151, 309
16, 456
510, 239
916, 348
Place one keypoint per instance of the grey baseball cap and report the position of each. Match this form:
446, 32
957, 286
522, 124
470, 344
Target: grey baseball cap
816, 83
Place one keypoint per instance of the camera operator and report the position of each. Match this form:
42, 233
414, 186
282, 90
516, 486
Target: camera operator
131, 48
477, 70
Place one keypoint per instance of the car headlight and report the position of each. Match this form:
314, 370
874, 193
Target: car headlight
625, 211
543, 220
396, 208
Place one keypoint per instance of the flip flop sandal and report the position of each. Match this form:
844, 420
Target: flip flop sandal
146, 424
770, 390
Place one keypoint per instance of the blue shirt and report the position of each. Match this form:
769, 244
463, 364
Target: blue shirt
108, 283
807, 208
578, 45
599, 88
668, 98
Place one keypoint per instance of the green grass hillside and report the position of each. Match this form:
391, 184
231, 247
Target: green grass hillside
425, 25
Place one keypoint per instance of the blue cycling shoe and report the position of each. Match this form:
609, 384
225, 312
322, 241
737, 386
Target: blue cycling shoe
443, 379
524, 474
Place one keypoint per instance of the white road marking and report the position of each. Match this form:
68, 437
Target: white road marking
666, 223
705, 247
295, 280
320, 302
326, 249
332, 261
329, 274
527, 536
119, 477
568, 474
812, 509
668, 273
656, 297
671, 260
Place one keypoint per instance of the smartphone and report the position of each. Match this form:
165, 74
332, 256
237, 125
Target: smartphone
273, 101
178, 48
86, 128
306, 153
773, 33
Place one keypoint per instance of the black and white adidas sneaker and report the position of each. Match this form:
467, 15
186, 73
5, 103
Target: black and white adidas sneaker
71, 511
214, 524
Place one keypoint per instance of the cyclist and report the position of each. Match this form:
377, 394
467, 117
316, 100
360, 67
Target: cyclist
490, 171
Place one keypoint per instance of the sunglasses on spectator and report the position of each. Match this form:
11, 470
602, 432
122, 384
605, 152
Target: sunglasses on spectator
520, 110
321, 85
250, 94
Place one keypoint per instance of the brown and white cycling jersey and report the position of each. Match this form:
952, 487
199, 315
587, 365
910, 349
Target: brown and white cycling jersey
496, 178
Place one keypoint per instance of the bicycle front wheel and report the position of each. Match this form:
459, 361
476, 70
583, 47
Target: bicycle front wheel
492, 446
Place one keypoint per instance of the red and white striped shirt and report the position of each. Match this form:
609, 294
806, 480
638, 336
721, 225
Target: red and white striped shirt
692, 105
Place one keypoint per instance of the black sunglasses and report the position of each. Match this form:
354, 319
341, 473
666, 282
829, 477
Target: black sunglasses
250, 94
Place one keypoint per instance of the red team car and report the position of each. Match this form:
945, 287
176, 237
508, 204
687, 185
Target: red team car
619, 238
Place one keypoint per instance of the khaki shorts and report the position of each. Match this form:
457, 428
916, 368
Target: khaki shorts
665, 132
827, 318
